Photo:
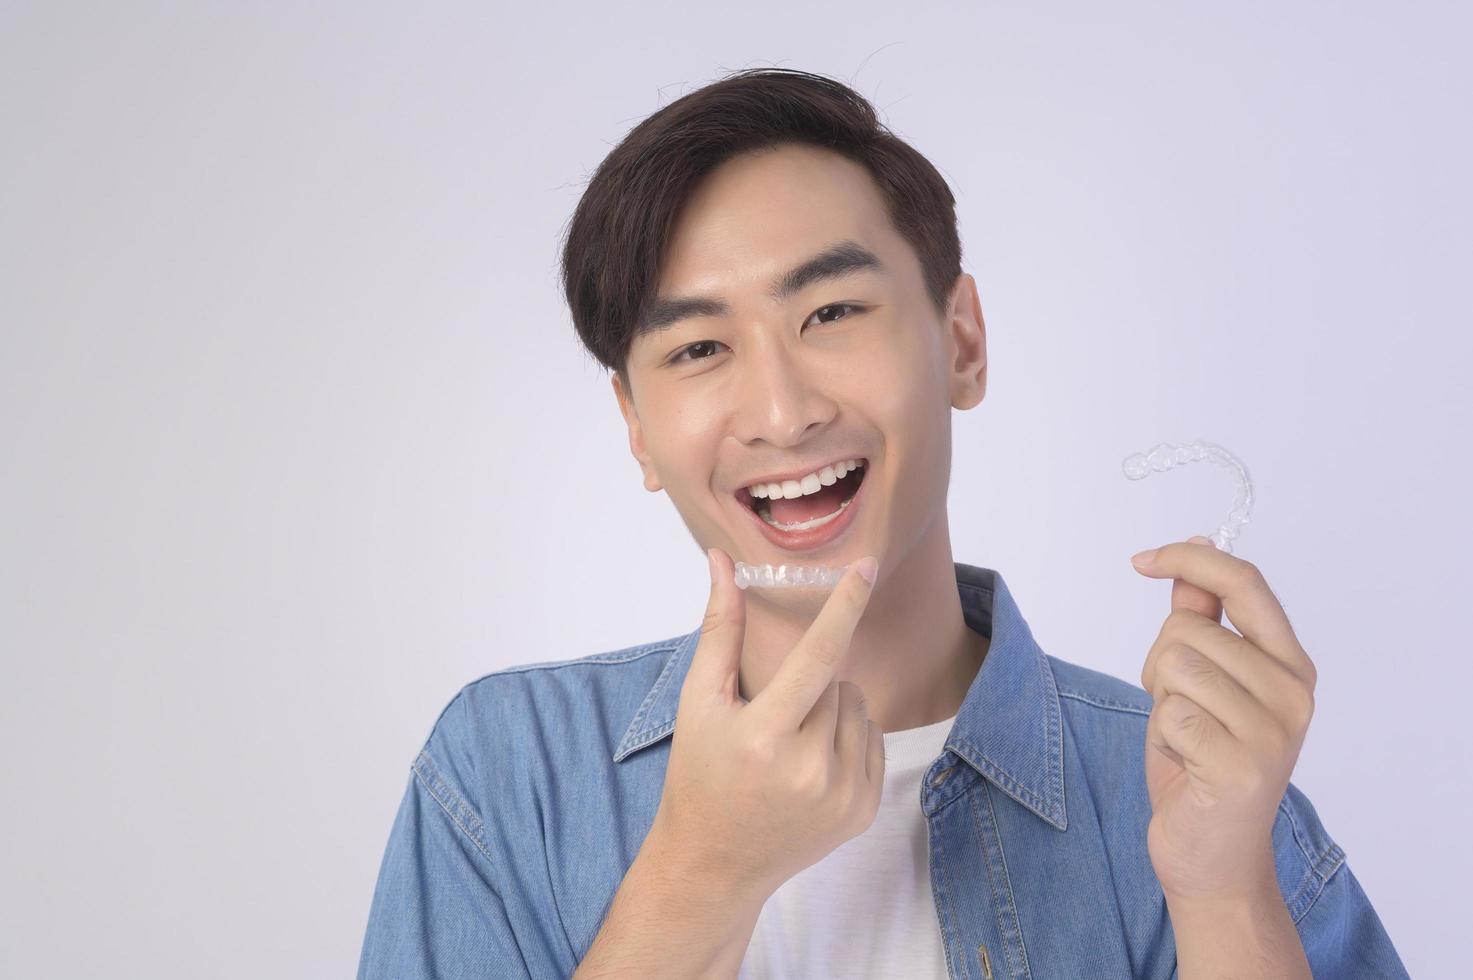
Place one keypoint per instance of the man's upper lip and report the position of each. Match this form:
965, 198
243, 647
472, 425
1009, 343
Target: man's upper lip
798, 473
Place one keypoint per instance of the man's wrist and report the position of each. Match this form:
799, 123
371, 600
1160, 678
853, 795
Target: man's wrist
685, 883
670, 918
1244, 935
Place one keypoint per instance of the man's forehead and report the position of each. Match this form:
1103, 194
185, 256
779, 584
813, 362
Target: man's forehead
777, 206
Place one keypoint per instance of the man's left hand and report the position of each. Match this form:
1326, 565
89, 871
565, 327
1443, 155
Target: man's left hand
1230, 715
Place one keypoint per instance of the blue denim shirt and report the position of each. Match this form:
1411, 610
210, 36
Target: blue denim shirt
538, 784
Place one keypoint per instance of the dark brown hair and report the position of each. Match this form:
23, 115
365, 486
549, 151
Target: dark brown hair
616, 236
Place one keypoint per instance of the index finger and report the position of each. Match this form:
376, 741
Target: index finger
1250, 604
810, 667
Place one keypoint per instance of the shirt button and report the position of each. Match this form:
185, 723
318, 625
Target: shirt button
940, 777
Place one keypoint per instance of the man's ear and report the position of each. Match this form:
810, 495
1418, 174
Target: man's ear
636, 435
968, 334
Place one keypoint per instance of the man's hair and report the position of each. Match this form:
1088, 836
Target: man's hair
617, 235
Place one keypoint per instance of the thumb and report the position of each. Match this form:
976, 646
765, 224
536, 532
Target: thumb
1185, 595
718, 657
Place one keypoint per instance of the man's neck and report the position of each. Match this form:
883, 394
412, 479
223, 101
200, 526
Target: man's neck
912, 653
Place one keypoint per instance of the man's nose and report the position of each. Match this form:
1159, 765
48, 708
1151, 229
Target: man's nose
781, 399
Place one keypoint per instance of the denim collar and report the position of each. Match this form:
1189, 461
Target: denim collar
1009, 727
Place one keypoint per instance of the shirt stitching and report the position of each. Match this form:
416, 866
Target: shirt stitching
941, 896
1055, 757
1313, 887
460, 813
429, 777
654, 695
1001, 777
1101, 701
991, 840
614, 657
1008, 880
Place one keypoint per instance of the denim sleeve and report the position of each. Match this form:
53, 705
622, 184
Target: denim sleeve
1343, 936
1341, 932
436, 912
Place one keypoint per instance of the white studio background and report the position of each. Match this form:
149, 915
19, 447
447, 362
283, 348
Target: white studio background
296, 438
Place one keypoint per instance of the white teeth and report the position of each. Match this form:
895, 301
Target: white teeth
812, 483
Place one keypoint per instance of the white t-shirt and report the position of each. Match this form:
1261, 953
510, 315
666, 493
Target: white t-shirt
865, 910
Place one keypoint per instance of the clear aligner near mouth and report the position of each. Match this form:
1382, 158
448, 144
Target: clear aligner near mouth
788, 576
1166, 455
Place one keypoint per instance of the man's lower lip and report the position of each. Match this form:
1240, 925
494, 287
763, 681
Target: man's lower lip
813, 538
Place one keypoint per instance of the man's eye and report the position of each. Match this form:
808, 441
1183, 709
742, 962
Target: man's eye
680, 355
839, 306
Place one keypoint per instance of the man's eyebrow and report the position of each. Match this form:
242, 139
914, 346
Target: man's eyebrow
841, 259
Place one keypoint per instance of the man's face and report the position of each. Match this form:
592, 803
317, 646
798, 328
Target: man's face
784, 386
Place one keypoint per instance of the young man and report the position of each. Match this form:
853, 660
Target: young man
775, 281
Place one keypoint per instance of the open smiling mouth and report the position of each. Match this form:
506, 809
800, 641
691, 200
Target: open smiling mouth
809, 520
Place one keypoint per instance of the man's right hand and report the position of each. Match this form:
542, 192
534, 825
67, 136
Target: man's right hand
757, 791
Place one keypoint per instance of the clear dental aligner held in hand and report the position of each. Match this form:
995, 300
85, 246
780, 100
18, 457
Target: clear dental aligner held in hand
788, 576
1166, 455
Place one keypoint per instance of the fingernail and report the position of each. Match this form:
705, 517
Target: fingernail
1144, 558
867, 567
1199, 539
